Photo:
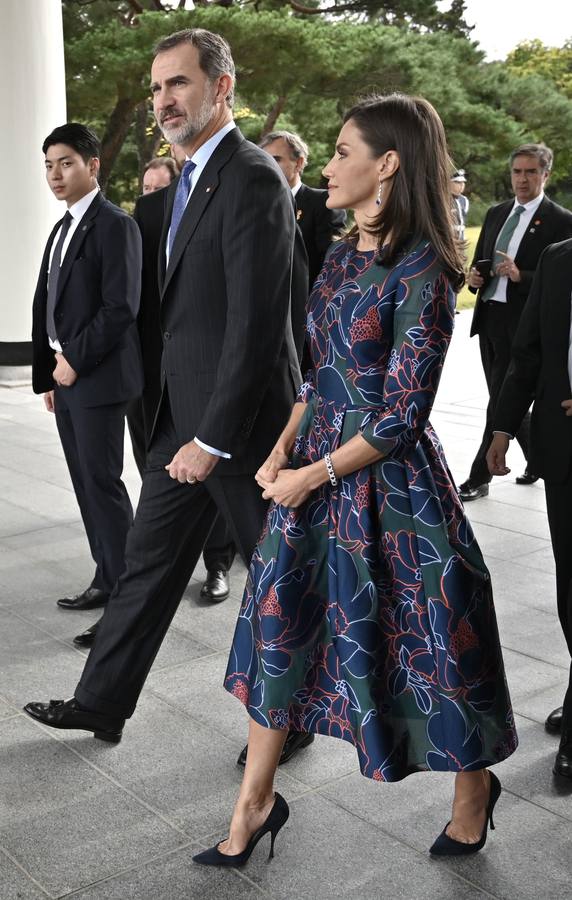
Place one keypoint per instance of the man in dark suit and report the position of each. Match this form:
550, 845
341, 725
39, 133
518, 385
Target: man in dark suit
513, 236
219, 551
86, 354
229, 372
318, 224
541, 371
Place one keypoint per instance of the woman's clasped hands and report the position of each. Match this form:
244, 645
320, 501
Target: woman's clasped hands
288, 487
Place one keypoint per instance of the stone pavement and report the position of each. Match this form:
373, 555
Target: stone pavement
82, 818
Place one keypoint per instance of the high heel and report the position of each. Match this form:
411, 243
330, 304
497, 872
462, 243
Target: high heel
277, 817
448, 846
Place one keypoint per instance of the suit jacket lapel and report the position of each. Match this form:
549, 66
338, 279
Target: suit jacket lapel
78, 237
203, 192
531, 234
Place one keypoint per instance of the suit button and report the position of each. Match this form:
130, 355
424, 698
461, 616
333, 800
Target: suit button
167, 336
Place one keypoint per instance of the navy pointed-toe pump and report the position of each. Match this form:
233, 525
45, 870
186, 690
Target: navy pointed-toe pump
448, 846
277, 817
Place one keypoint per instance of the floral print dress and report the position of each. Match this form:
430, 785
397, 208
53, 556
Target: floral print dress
368, 612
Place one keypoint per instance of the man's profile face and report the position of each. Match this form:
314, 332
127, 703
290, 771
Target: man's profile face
281, 152
69, 177
527, 178
156, 178
183, 96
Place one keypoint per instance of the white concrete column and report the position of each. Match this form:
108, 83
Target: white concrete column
34, 102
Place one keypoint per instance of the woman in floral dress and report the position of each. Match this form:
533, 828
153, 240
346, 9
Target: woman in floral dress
368, 611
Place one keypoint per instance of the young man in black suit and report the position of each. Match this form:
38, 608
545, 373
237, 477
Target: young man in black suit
229, 373
541, 371
513, 236
86, 354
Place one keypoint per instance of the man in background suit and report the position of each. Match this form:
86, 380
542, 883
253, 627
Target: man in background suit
159, 173
513, 236
86, 354
229, 372
541, 371
318, 224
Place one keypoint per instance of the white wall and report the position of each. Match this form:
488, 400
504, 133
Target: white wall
33, 103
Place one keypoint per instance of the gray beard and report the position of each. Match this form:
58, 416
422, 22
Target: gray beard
184, 134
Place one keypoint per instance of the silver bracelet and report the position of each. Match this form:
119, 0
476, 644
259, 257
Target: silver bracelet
330, 468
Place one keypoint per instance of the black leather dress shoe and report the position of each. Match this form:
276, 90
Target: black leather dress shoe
468, 491
69, 714
295, 741
563, 761
216, 586
527, 478
87, 637
90, 599
553, 724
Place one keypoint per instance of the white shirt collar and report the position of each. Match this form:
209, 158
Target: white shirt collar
78, 210
296, 187
531, 205
201, 156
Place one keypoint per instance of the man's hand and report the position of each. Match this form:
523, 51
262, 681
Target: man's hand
289, 488
496, 456
269, 469
49, 401
506, 267
64, 375
191, 464
475, 280
567, 405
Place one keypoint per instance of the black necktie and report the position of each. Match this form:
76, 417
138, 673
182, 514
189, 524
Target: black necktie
53, 278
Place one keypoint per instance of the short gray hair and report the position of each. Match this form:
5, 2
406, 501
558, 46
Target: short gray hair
541, 152
215, 57
298, 147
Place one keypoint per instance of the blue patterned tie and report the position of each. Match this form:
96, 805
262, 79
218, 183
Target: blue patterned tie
181, 197
502, 243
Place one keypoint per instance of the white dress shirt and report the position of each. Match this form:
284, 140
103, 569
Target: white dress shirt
77, 212
296, 187
518, 234
200, 158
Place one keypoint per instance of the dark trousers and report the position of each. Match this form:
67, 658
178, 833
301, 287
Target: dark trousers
171, 525
219, 550
495, 342
92, 441
559, 509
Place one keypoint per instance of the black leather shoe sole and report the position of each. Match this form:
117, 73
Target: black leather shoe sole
527, 478
563, 767
74, 721
474, 493
292, 745
553, 724
90, 599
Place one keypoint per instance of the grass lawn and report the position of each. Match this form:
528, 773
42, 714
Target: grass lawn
466, 300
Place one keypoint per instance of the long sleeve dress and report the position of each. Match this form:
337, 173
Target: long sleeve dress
368, 612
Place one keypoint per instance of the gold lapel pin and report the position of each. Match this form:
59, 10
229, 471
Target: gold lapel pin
298, 215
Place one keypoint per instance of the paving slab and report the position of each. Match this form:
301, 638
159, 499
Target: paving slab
82, 818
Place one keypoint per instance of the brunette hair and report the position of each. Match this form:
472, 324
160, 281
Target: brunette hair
418, 205
163, 162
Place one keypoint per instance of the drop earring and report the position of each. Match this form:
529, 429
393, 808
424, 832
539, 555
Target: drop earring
378, 198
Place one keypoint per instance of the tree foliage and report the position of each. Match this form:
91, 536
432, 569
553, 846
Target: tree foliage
300, 71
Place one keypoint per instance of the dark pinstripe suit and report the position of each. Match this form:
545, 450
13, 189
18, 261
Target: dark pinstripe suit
229, 377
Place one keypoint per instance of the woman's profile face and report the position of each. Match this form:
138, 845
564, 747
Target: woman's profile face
352, 173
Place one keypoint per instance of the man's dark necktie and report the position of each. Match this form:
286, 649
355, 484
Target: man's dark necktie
502, 243
53, 278
180, 203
